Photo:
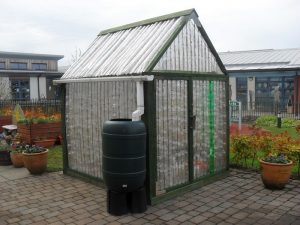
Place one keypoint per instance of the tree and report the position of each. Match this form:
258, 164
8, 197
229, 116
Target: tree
76, 55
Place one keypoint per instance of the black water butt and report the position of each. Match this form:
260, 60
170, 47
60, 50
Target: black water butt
124, 165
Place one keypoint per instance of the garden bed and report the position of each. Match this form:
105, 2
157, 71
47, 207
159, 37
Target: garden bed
32, 132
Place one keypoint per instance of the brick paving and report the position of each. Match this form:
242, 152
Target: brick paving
58, 199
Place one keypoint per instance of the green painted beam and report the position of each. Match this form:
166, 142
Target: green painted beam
227, 122
148, 21
190, 131
211, 116
149, 119
63, 128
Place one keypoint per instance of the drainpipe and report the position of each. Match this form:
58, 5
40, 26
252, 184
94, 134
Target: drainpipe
136, 115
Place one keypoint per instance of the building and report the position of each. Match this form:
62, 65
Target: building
166, 72
26, 76
254, 76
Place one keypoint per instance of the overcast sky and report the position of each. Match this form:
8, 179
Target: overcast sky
62, 26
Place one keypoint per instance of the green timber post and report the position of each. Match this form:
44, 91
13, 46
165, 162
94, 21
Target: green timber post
150, 121
190, 130
211, 127
63, 129
227, 121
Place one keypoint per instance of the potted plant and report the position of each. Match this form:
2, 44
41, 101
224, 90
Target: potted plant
16, 156
35, 158
275, 171
276, 166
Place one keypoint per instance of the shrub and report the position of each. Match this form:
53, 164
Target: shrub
271, 121
268, 146
268, 121
288, 122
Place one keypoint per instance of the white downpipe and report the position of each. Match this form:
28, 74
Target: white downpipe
136, 115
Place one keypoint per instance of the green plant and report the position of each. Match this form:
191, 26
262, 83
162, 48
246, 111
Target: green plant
240, 145
266, 121
280, 158
4, 146
30, 148
271, 121
15, 150
288, 122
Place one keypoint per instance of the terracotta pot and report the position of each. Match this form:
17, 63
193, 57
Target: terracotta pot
5, 158
275, 175
36, 163
17, 159
47, 143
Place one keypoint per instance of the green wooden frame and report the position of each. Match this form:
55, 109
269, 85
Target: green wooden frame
151, 120
63, 128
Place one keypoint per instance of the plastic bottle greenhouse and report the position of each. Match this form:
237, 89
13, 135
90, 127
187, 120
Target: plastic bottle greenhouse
167, 69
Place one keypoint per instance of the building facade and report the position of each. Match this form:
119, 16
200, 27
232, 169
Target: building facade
256, 76
25, 76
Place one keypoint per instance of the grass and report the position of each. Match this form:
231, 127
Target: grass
55, 160
291, 131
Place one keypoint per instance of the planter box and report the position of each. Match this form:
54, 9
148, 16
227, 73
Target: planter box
31, 132
5, 120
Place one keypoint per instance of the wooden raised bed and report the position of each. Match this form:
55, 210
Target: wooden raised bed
5, 120
31, 132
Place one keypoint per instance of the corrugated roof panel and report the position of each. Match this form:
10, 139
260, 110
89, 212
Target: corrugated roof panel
261, 59
191, 50
124, 52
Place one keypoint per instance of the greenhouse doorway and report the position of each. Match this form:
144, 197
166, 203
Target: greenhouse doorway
191, 131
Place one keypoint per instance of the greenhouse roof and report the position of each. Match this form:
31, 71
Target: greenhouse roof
133, 49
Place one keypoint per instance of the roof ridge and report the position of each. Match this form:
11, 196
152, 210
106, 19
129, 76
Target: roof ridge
149, 21
259, 50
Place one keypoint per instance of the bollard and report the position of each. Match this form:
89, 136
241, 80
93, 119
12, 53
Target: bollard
279, 120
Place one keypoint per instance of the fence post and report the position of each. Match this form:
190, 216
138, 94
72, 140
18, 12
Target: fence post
240, 115
279, 120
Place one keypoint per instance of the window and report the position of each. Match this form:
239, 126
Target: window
20, 89
39, 66
264, 89
18, 66
241, 89
2, 65
53, 91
